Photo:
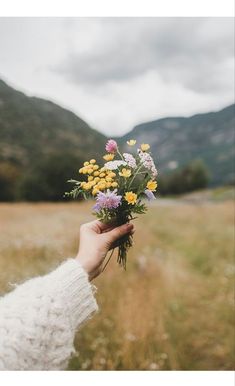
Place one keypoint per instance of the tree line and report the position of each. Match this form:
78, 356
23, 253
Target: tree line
46, 179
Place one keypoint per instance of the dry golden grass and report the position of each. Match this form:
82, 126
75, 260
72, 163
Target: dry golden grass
171, 309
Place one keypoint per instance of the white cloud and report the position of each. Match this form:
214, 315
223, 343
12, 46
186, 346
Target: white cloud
117, 72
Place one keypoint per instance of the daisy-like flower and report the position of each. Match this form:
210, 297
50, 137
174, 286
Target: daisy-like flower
111, 146
113, 165
145, 147
108, 200
108, 157
130, 160
131, 198
149, 194
132, 142
152, 185
125, 173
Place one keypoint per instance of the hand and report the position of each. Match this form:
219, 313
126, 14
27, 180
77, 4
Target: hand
96, 239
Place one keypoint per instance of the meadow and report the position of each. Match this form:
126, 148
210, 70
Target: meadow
173, 309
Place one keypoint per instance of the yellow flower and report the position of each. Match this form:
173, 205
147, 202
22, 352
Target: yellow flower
108, 157
125, 173
87, 186
96, 173
132, 142
96, 179
95, 191
92, 161
102, 175
114, 184
152, 185
145, 147
131, 198
89, 171
90, 178
81, 170
86, 163
111, 174
95, 167
108, 184
108, 179
101, 186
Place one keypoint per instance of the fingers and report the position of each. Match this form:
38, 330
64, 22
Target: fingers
119, 232
97, 226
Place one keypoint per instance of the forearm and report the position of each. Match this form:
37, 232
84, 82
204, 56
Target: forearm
38, 320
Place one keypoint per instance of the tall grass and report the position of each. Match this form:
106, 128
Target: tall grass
171, 309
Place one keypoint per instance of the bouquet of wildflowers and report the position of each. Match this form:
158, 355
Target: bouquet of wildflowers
119, 187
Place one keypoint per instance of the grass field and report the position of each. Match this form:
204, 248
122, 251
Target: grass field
174, 306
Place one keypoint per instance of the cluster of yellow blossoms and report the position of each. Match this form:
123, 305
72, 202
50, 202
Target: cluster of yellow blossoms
98, 178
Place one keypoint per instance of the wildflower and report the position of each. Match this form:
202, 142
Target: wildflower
130, 160
112, 174
149, 194
108, 200
111, 146
95, 167
148, 162
114, 184
152, 185
113, 165
125, 173
131, 198
145, 146
87, 186
95, 191
108, 157
92, 161
86, 163
132, 142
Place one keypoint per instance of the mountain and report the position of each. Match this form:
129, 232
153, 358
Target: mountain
42, 145
176, 141
32, 128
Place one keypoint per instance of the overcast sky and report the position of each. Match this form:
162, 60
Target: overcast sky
118, 72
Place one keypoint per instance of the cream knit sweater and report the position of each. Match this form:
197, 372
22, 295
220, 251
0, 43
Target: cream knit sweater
38, 320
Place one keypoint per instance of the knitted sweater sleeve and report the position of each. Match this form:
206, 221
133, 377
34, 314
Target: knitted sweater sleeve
38, 320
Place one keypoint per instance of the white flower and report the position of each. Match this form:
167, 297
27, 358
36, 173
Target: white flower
148, 162
131, 162
113, 165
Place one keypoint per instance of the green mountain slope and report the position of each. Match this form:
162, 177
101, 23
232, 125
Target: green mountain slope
31, 128
176, 141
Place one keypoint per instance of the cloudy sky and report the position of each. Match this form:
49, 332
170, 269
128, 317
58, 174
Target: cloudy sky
118, 72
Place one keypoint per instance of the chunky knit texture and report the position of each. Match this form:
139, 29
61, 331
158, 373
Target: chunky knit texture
38, 320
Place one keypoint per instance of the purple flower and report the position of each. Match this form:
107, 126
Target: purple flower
130, 160
108, 200
149, 194
111, 146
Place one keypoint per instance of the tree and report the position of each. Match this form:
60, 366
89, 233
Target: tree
191, 177
9, 174
47, 180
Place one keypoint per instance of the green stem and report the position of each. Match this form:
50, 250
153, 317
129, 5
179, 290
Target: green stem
135, 174
120, 154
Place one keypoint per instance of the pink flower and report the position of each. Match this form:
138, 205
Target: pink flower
111, 146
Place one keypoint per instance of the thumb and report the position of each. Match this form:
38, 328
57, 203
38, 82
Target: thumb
119, 232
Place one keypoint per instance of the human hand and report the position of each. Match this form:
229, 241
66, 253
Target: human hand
96, 239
